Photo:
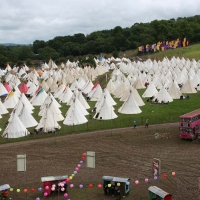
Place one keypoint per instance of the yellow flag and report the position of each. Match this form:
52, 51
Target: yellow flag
140, 48
10, 94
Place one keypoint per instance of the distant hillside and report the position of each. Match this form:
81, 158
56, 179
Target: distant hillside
13, 44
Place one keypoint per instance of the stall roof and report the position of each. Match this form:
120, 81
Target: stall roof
53, 178
4, 187
115, 179
158, 191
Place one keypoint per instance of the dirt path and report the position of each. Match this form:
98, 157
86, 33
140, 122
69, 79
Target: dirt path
124, 152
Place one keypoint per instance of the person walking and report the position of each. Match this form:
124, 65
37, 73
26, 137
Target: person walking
147, 123
134, 124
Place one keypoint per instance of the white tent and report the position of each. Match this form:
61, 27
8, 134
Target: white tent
150, 91
101, 100
49, 99
174, 91
130, 106
139, 84
49, 81
53, 86
195, 80
106, 111
44, 85
59, 91
15, 128
118, 93
109, 97
74, 116
188, 87
75, 85
48, 123
11, 100
111, 86
66, 95
3, 91
32, 89
163, 96
95, 93
82, 100
1, 73
26, 102
137, 97
17, 109
87, 87
26, 118
54, 109
39, 98
78, 105
3, 109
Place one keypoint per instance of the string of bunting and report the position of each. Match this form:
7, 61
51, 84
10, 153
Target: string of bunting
62, 185
81, 185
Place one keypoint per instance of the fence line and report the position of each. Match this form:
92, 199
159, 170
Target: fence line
119, 122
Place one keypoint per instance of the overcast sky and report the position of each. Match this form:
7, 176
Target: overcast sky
24, 21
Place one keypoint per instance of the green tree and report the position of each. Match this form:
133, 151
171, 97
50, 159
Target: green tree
25, 52
117, 30
38, 44
115, 54
79, 38
3, 61
47, 53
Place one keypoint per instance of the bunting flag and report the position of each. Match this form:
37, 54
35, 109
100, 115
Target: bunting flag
23, 88
37, 90
184, 42
164, 45
10, 94
95, 85
140, 48
40, 91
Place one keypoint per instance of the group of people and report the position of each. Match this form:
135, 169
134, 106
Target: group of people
113, 190
146, 124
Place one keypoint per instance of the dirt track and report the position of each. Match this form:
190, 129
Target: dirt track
124, 152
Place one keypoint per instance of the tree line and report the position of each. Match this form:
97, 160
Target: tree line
112, 41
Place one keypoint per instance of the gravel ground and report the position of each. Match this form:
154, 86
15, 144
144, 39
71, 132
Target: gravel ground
123, 152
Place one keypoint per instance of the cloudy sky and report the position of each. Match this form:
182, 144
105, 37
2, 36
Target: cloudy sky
24, 21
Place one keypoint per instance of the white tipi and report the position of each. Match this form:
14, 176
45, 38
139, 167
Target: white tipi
26, 118
74, 116
174, 91
130, 106
3, 109
106, 111
150, 91
15, 128
188, 87
47, 122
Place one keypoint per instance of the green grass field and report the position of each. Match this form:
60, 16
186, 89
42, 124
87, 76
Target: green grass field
156, 113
